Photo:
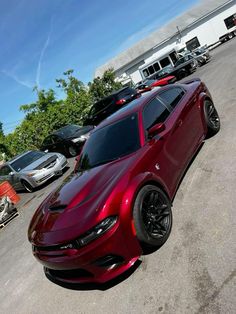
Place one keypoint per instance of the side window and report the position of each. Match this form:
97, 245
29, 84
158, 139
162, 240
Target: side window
4, 171
165, 62
154, 112
172, 96
55, 139
145, 72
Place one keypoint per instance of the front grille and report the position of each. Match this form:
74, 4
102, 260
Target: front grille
44, 178
47, 163
68, 274
58, 247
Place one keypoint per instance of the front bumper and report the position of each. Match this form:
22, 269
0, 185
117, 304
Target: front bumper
48, 173
100, 261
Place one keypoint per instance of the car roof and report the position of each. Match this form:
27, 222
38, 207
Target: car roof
63, 128
114, 93
133, 107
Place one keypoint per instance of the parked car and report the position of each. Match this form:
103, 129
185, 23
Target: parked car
119, 200
31, 169
201, 55
147, 85
183, 67
108, 105
67, 140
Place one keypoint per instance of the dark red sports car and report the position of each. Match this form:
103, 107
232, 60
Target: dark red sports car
95, 225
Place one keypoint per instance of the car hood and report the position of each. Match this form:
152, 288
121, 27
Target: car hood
163, 80
39, 163
81, 132
78, 201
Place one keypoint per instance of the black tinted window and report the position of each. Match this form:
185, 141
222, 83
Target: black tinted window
164, 62
172, 96
154, 112
156, 66
111, 142
151, 69
4, 171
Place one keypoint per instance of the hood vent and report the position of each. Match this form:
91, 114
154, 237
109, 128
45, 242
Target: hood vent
57, 207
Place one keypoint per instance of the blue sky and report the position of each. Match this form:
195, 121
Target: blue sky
40, 39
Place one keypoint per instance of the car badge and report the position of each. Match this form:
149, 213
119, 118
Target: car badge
157, 166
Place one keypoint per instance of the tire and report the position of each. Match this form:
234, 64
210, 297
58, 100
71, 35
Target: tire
152, 216
72, 152
212, 118
27, 186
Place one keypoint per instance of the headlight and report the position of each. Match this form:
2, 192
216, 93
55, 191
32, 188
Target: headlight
31, 174
76, 140
82, 138
97, 231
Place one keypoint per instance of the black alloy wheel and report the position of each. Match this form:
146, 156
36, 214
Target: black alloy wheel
152, 216
212, 118
27, 186
72, 151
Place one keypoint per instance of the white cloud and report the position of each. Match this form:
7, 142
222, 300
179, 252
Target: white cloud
38, 73
13, 76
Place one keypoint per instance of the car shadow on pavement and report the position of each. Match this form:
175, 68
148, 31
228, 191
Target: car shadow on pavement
96, 286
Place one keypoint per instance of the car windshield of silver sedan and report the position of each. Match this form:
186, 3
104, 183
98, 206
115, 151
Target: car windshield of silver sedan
111, 142
25, 160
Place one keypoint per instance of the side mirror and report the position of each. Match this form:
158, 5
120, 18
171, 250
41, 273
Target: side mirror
11, 173
156, 129
46, 151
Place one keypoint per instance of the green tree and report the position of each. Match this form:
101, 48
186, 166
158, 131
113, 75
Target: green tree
47, 113
78, 99
45, 99
101, 87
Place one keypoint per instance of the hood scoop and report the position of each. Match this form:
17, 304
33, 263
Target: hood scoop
57, 207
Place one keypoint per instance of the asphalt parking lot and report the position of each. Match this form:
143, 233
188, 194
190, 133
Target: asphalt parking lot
194, 272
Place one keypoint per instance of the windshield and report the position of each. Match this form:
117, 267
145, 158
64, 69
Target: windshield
26, 160
111, 142
67, 131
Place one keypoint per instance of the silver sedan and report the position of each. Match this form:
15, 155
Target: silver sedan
31, 169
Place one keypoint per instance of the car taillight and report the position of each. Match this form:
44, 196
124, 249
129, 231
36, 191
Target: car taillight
120, 101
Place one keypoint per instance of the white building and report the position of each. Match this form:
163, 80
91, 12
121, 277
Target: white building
202, 25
